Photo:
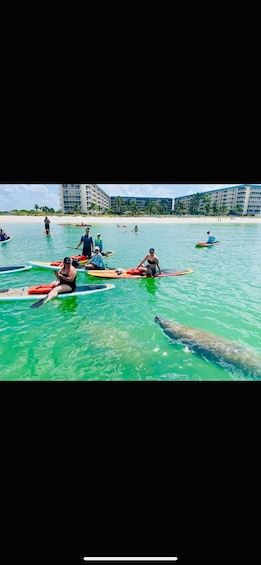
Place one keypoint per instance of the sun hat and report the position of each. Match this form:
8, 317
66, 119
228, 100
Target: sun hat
98, 234
96, 248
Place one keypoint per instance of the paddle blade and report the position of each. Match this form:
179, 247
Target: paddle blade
39, 302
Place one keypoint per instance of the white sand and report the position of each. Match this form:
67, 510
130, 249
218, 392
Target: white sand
93, 220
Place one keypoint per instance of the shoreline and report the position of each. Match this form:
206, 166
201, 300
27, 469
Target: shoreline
122, 221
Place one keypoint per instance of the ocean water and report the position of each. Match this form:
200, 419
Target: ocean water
113, 335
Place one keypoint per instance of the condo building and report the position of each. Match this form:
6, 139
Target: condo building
82, 198
244, 199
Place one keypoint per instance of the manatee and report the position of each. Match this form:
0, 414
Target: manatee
213, 347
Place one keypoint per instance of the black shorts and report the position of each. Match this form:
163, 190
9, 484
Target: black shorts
151, 270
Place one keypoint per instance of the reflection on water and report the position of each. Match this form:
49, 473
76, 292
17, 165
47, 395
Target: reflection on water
68, 305
150, 284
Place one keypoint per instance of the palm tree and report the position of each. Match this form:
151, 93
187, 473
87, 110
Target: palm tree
118, 204
207, 203
194, 203
180, 208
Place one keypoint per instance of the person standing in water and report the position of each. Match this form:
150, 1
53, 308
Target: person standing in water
135, 229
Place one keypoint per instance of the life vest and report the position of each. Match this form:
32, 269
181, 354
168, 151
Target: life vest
41, 288
79, 257
134, 271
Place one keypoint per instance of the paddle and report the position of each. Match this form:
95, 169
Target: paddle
39, 302
68, 247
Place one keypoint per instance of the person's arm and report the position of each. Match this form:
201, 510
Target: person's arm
78, 244
141, 262
70, 277
158, 266
92, 246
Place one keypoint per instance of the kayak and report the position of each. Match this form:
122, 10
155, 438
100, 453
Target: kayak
11, 294
205, 244
133, 273
15, 269
6, 240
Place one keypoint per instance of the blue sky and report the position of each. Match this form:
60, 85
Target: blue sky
25, 196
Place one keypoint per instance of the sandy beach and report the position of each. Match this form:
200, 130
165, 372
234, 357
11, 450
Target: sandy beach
122, 221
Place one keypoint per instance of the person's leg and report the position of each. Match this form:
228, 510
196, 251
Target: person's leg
60, 289
149, 271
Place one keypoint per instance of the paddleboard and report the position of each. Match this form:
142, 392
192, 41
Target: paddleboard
6, 240
48, 265
11, 294
4, 270
204, 244
123, 274
107, 253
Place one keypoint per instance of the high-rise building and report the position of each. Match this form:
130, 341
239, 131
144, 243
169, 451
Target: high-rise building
82, 198
244, 198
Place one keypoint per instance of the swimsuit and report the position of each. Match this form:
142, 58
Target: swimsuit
72, 284
151, 268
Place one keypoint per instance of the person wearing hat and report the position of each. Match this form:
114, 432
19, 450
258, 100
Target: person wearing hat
149, 270
98, 241
96, 262
65, 280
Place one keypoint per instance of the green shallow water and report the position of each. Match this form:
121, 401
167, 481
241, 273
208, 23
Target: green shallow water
113, 335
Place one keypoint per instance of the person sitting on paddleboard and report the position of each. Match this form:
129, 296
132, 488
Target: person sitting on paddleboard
211, 238
65, 280
96, 262
149, 270
3, 235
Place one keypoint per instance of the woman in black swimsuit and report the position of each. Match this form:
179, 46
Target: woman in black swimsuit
150, 269
65, 280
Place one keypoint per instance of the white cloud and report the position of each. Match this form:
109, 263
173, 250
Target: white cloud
25, 196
